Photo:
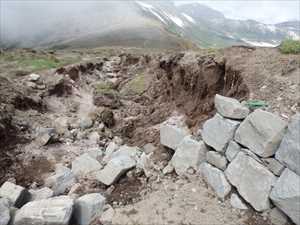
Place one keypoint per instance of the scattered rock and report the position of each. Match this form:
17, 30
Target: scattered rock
115, 168
216, 179
218, 131
286, 194
95, 153
110, 149
94, 138
86, 122
230, 107
61, 125
133, 152
216, 159
87, 208
252, 180
261, 132
54, 211
62, 180
232, 150
107, 215
189, 154
34, 77
274, 166
237, 202
168, 169
16, 194
172, 132
40, 194
146, 164
85, 165
149, 148
289, 149
4, 211
46, 136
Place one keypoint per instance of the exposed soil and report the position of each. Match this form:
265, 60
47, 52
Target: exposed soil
132, 94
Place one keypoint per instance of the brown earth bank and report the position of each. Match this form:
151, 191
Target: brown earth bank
128, 95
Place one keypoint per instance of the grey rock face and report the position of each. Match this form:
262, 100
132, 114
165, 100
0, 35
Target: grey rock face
252, 180
172, 132
40, 194
85, 165
16, 194
4, 211
216, 159
87, 208
189, 154
216, 179
232, 150
218, 131
274, 166
261, 132
286, 194
277, 217
237, 202
289, 149
115, 168
62, 180
55, 211
230, 107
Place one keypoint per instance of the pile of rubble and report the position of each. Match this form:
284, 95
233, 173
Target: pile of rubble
252, 156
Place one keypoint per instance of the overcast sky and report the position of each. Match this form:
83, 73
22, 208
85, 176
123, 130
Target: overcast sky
263, 11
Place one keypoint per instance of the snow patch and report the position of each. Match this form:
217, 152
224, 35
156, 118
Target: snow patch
150, 8
189, 18
176, 20
259, 43
145, 5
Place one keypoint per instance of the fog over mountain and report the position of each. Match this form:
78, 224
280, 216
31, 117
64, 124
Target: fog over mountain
159, 24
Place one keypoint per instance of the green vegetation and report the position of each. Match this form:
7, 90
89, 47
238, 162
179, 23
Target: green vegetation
102, 88
135, 86
255, 104
290, 47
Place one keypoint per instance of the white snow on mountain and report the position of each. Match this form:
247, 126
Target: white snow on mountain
189, 18
151, 9
259, 43
176, 20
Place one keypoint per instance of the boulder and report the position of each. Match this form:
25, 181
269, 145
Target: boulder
232, 150
85, 165
286, 195
216, 179
172, 132
274, 166
216, 159
40, 194
4, 211
261, 132
252, 180
87, 208
189, 154
237, 202
61, 180
218, 132
16, 194
115, 168
289, 149
230, 107
54, 211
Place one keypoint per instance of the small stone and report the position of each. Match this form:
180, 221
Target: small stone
61, 180
230, 107
40, 194
45, 136
261, 132
110, 149
218, 132
107, 215
274, 166
216, 159
34, 77
168, 169
216, 179
172, 132
236, 202
16, 194
232, 150
149, 148
87, 208
85, 165
86, 123
286, 194
54, 211
146, 164
189, 154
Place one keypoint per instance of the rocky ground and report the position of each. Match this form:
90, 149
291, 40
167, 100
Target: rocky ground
67, 128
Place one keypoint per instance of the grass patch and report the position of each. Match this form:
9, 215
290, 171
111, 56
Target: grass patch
102, 88
135, 86
290, 47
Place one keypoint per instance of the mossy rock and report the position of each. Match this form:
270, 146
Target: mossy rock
136, 86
